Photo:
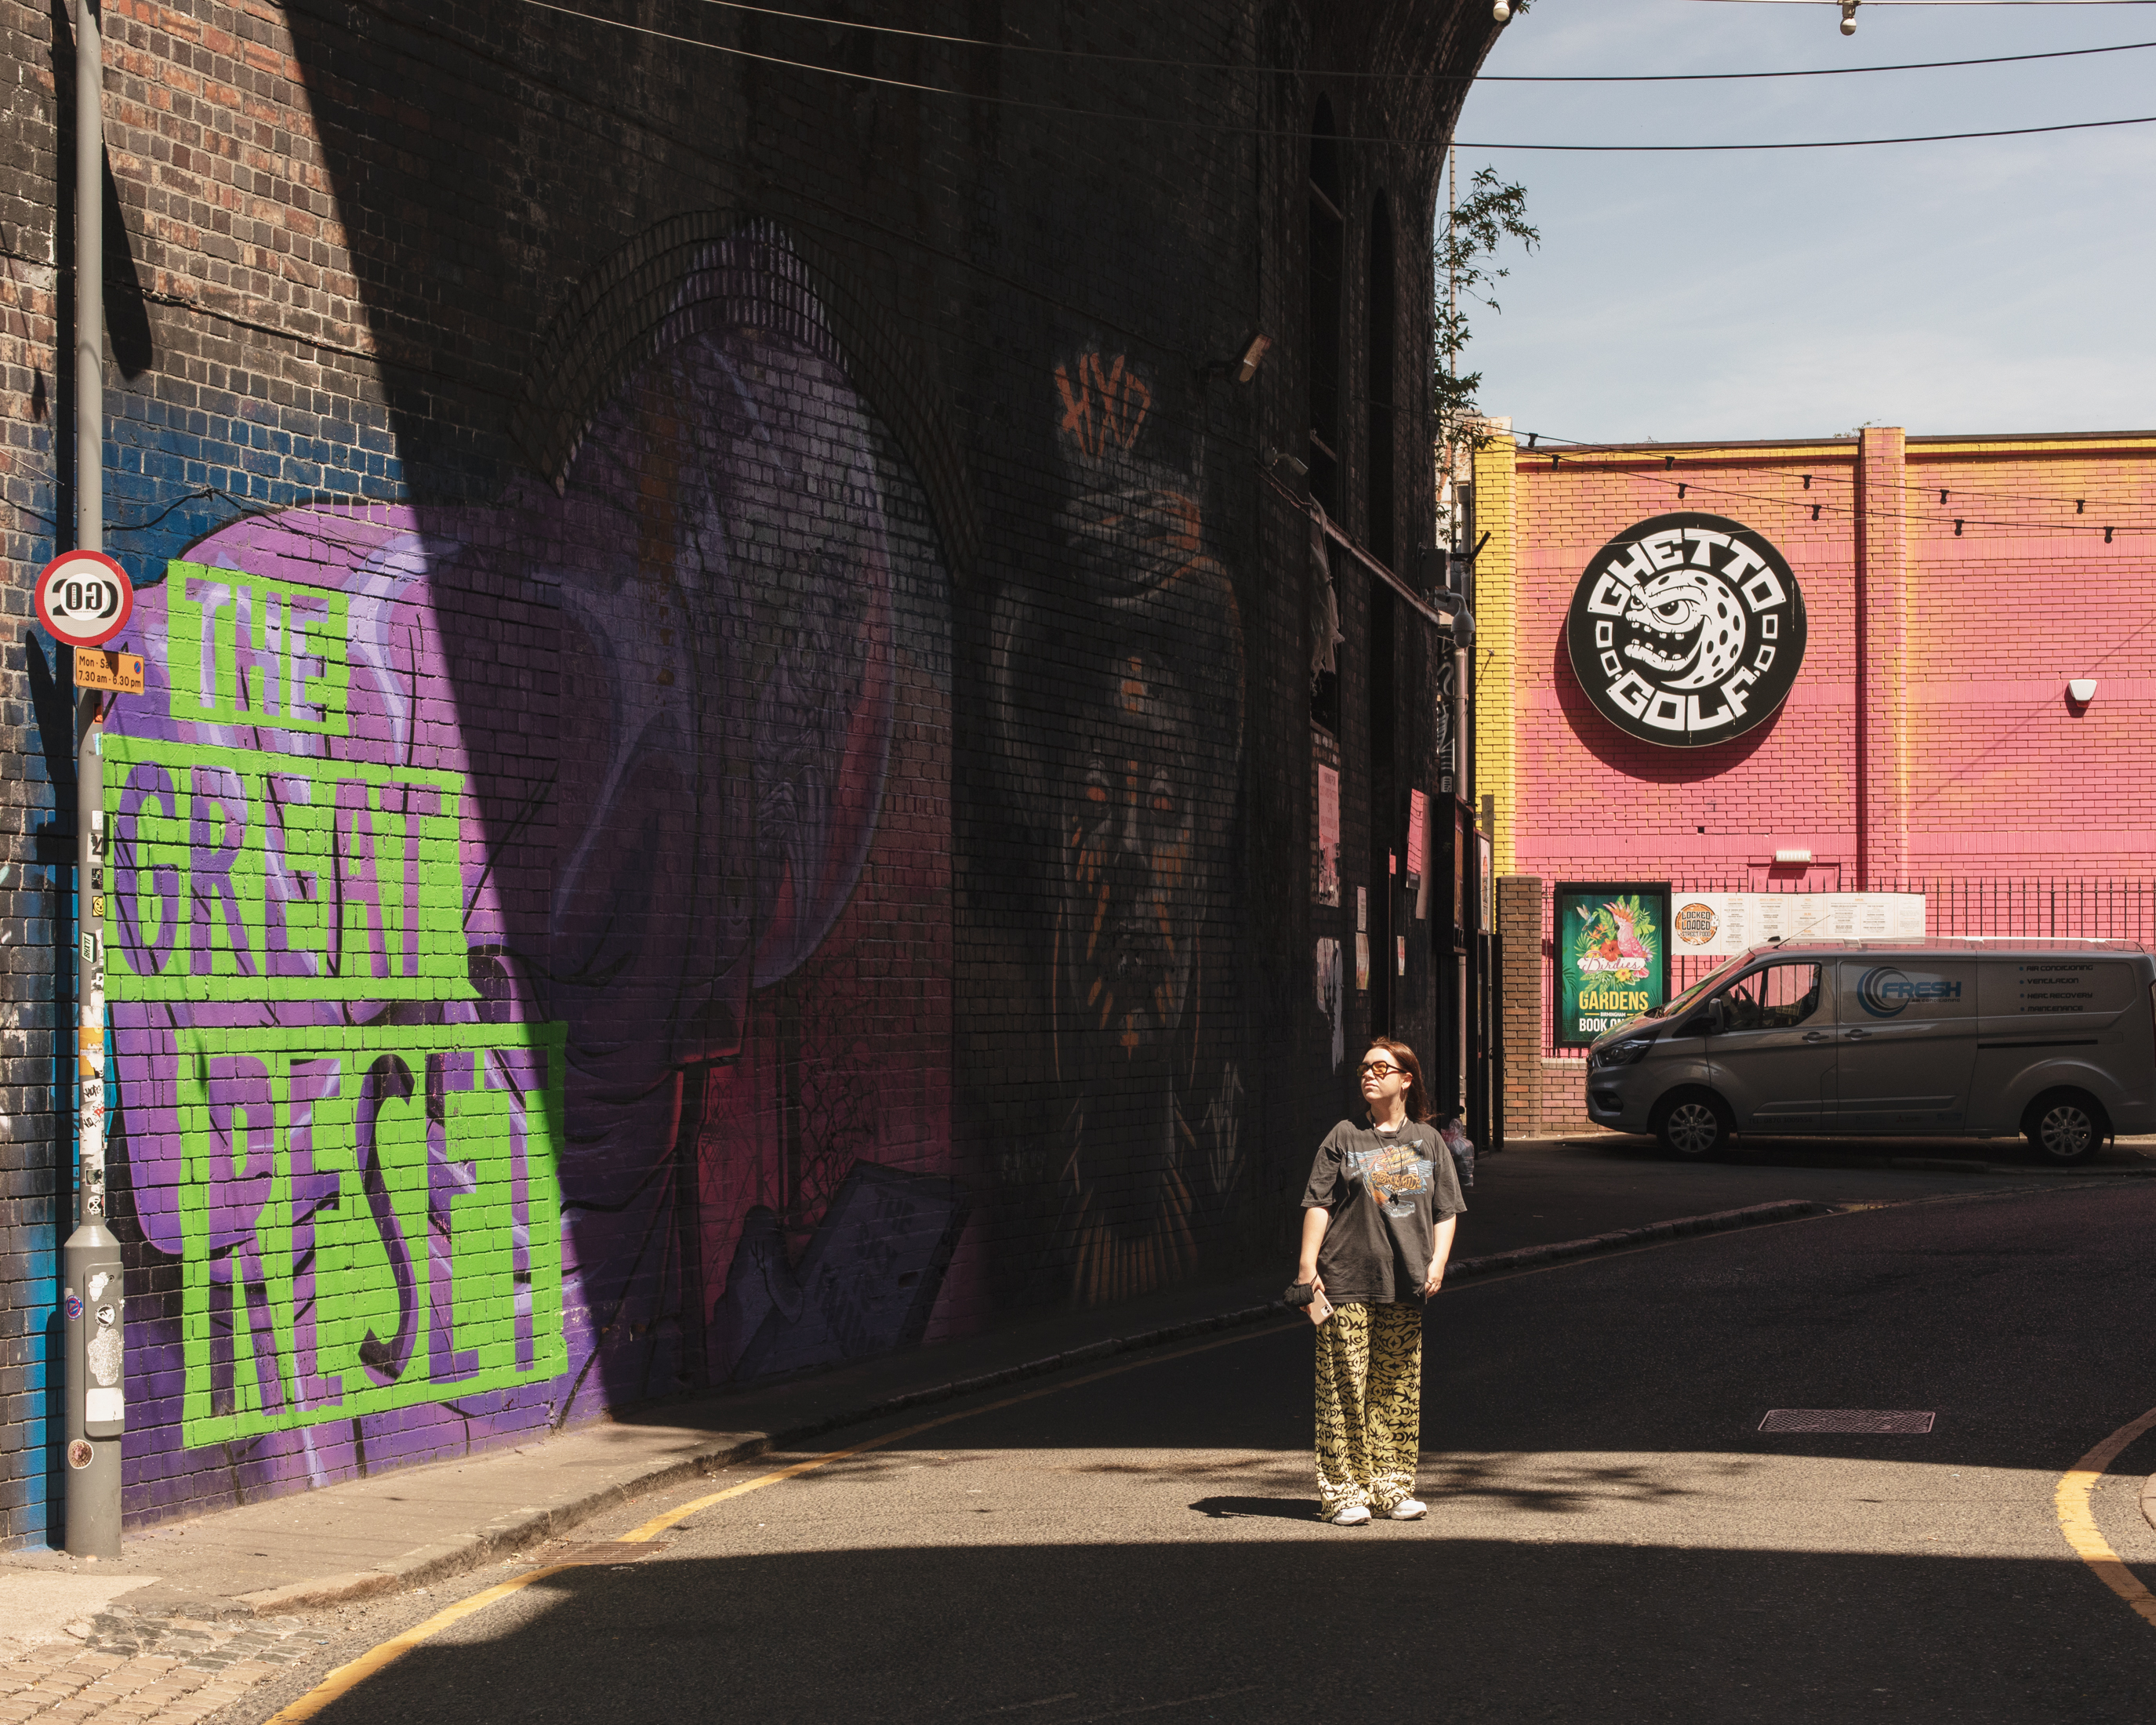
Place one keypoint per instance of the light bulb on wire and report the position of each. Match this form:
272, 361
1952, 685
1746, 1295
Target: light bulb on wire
1849, 17
1503, 11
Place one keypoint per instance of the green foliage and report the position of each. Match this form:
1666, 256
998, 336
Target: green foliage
1467, 273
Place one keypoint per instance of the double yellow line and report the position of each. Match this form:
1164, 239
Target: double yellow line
345, 1678
2071, 1498
2078, 1524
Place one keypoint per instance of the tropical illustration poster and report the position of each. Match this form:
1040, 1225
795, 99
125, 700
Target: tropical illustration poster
1612, 953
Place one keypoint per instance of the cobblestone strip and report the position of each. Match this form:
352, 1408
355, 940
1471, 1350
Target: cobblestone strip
201, 1669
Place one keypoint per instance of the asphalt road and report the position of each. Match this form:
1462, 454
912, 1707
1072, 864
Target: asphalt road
1568, 1189
1611, 1537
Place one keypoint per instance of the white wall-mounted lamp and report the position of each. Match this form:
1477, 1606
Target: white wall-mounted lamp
1793, 856
2081, 690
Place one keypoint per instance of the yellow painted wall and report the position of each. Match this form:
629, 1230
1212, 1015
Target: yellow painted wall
1497, 638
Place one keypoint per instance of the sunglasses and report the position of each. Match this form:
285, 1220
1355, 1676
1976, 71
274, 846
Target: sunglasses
1379, 1069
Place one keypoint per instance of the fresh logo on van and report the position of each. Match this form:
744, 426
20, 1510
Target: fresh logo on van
1885, 992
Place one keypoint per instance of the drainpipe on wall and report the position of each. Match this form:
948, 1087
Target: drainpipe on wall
1883, 627
1861, 692
96, 1379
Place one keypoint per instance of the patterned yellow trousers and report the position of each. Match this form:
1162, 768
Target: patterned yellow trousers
1369, 1405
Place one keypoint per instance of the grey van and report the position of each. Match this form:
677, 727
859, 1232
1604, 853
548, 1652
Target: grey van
2052, 1040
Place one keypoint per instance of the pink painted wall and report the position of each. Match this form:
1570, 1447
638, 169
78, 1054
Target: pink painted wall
1928, 743
1929, 732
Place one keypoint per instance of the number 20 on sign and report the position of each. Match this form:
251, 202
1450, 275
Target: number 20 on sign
84, 597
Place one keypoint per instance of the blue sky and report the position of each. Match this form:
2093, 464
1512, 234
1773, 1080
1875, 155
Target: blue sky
1997, 285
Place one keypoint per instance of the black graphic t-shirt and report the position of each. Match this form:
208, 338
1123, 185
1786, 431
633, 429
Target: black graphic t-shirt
1386, 1191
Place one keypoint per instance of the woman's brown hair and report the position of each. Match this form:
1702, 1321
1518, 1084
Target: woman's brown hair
1404, 1057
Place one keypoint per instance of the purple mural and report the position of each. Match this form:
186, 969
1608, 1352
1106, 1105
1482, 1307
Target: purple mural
496, 890
1118, 698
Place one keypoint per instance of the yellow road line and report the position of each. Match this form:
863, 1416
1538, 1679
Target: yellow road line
2079, 1525
346, 1677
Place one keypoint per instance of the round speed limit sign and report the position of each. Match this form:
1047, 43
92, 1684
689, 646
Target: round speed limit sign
84, 597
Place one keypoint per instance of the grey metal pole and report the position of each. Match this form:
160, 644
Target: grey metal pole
91, 1274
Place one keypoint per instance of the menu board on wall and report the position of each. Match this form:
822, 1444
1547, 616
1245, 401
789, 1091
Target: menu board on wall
1719, 925
1610, 941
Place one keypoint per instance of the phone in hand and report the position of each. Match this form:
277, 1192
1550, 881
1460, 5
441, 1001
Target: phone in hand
1307, 1296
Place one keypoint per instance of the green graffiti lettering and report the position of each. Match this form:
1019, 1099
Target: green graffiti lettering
355, 1239
240, 874
244, 650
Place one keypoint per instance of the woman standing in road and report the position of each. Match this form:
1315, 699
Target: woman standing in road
1378, 1220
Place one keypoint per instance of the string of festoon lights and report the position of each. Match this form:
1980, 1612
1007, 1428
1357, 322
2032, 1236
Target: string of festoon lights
1503, 11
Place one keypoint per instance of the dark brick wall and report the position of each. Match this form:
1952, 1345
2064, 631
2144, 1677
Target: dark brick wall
999, 940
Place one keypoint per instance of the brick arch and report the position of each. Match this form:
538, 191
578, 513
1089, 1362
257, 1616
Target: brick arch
628, 302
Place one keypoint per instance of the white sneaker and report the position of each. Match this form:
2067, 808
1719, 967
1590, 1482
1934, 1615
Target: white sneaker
1353, 1515
1409, 1509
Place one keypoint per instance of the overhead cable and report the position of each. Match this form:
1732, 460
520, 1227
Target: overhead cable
1255, 69
1124, 118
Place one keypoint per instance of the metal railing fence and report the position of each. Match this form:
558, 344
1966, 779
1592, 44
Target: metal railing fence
2041, 906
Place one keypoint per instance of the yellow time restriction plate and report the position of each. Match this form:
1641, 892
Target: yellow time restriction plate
115, 673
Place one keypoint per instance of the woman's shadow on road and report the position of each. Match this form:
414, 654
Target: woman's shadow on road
1223, 1509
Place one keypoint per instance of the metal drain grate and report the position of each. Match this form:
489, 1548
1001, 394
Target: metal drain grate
1844, 1419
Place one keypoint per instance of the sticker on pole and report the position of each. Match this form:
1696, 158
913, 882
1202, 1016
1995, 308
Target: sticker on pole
84, 597
80, 1454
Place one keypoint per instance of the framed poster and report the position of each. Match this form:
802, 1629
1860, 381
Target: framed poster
1326, 830
1460, 866
1610, 944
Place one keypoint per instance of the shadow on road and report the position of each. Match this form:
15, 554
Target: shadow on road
1384, 1622
1291, 1509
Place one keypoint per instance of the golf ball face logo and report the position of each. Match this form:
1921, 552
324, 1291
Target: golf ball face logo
1885, 992
1686, 629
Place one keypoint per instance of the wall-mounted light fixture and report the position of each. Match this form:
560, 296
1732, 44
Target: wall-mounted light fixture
2082, 690
1243, 365
1281, 458
1793, 856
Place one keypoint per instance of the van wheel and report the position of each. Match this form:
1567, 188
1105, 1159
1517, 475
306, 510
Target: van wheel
2066, 1128
1694, 1125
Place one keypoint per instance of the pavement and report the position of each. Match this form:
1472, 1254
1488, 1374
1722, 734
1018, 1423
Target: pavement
229, 1592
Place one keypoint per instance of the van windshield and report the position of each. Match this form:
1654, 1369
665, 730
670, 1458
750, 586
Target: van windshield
1695, 991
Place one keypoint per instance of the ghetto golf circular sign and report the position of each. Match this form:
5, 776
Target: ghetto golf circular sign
1686, 629
84, 597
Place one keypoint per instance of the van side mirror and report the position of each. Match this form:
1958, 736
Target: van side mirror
1710, 1020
